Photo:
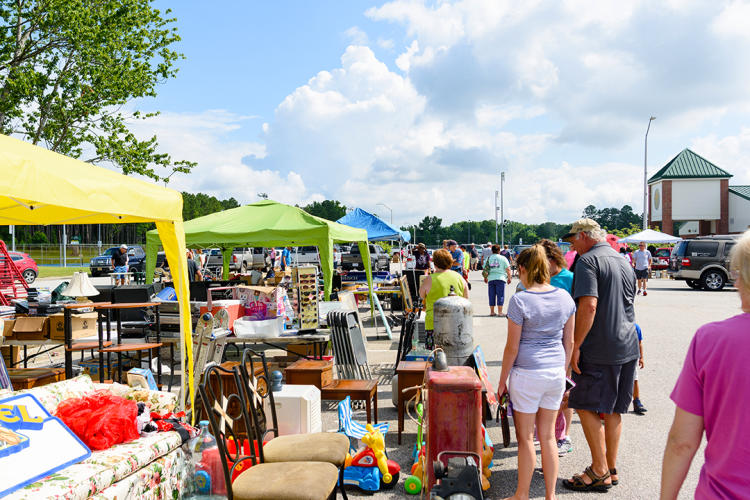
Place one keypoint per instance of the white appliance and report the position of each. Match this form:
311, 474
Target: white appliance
297, 409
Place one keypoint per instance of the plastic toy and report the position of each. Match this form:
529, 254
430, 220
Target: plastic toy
413, 483
370, 470
488, 451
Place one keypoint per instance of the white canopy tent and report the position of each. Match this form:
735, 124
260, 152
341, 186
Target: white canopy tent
650, 236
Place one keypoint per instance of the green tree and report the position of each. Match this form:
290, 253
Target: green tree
67, 68
200, 204
327, 209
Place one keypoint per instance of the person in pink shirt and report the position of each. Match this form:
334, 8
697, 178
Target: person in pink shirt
712, 394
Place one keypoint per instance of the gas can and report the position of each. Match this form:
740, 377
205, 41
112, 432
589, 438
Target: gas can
454, 414
454, 328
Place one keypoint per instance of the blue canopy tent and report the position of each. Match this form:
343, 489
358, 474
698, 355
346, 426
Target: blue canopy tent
377, 229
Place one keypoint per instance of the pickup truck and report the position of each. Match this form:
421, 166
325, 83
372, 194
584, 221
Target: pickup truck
379, 260
244, 259
102, 264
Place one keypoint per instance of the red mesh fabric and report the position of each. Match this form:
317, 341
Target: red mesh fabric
101, 419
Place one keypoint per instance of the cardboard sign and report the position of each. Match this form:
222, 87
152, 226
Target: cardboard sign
33, 443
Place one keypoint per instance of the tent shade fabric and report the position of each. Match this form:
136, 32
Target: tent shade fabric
377, 229
41, 187
650, 236
266, 224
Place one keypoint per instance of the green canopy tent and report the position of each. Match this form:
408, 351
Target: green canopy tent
266, 224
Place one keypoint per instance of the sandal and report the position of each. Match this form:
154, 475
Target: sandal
597, 482
613, 472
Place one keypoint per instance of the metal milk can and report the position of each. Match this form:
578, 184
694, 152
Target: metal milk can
453, 328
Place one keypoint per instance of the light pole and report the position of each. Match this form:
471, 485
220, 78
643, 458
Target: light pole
496, 209
645, 176
502, 215
389, 208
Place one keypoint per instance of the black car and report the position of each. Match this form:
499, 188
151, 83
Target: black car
102, 264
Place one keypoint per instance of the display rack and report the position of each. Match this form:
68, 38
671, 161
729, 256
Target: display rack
306, 293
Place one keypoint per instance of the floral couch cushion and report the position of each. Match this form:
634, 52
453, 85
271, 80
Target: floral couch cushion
103, 469
162, 479
52, 395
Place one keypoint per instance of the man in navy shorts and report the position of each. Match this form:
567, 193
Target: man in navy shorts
605, 351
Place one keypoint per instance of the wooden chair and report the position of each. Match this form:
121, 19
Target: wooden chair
262, 480
330, 447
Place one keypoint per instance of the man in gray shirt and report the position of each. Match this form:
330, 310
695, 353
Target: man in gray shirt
605, 350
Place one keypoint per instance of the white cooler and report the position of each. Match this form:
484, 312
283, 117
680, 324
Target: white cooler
297, 409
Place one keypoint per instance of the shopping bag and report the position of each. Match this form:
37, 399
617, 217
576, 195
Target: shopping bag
502, 417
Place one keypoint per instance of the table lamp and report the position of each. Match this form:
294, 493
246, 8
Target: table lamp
80, 287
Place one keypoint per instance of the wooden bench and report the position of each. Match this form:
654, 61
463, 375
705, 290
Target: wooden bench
358, 390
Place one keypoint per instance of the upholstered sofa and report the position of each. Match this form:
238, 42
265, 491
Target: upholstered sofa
151, 467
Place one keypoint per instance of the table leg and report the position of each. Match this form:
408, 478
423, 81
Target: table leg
67, 333
158, 351
26, 358
119, 367
368, 408
400, 399
375, 404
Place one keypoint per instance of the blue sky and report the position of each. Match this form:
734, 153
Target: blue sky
420, 104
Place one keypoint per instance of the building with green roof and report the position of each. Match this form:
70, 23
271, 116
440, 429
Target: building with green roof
691, 196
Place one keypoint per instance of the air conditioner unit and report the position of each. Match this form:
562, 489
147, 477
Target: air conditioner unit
297, 409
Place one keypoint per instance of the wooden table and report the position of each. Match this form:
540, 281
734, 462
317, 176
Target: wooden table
70, 347
410, 374
358, 390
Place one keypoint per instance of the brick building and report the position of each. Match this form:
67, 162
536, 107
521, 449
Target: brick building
690, 196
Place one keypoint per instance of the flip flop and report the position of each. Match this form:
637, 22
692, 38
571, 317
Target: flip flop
597, 482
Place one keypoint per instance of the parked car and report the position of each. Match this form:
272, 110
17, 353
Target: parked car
379, 260
102, 264
25, 264
702, 262
660, 258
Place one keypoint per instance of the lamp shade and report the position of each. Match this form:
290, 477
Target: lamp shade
80, 286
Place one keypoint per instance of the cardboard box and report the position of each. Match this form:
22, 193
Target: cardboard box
11, 354
83, 325
8, 328
91, 367
31, 328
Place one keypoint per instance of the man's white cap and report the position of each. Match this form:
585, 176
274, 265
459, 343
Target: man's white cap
124, 246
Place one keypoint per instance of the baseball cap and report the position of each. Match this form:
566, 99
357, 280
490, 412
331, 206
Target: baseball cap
452, 242
582, 225
124, 246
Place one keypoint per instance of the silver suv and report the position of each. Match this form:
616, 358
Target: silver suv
702, 262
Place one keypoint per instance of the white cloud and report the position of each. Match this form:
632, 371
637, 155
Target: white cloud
732, 153
356, 36
221, 169
733, 21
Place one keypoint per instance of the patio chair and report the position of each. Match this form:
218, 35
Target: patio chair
327, 447
262, 480
350, 427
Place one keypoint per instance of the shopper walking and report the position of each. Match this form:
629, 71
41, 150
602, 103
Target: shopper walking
540, 341
474, 257
496, 274
458, 257
438, 285
642, 265
194, 273
120, 264
467, 261
272, 256
605, 351
286, 258
712, 395
422, 259
486, 252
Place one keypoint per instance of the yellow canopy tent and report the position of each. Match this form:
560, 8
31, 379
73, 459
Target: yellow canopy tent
40, 187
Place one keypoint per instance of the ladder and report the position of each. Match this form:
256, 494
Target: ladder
12, 284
